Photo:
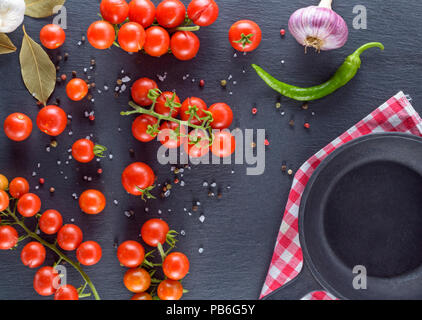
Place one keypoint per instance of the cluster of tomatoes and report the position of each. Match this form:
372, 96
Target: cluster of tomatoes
171, 134
175, 266
140, 25
69, 238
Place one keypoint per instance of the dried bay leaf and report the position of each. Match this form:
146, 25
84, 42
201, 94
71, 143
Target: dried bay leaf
6, 45
38, 72
41, 8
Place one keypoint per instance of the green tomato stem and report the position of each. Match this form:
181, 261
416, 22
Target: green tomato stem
57, 251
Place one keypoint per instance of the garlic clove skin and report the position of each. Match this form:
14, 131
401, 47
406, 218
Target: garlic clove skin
12, 13
319, 27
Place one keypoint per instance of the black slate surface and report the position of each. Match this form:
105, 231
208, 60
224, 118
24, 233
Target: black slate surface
239, 231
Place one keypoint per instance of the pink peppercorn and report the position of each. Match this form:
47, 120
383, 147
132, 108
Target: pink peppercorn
254, 110
202, 83
283, 32
266, 142
42, 181
307, 125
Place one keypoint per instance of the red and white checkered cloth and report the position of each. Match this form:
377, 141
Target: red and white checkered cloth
396, 115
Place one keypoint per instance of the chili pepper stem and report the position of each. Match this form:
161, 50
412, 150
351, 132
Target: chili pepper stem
326, 4
57, 251
367, 46
99, 150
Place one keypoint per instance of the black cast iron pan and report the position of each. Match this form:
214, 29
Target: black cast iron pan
363, 207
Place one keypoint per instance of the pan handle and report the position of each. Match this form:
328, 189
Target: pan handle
297, 288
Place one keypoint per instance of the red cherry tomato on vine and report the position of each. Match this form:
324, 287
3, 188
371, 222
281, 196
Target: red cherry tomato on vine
52, 120
140, 90
170, 290
18, 187
203, 12
29, 205
245, 35
191, 102
157, 42
142, 12
131, 254
114, 11
137, 176
137, 280
142, 296
199, 146
83, 150
92, 202
170, 135
176, 266
89, 253
52, 36
170, 13
66, 292
224, 144
166, 99
17, 126
46, 281
184, 45
222, 115
140, 127
33, 255
131, 37
101, 35
4, 200
76, 89
51, 221
8, 237
69, 237
154, 231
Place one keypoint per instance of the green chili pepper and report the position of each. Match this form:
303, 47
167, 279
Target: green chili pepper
343, 75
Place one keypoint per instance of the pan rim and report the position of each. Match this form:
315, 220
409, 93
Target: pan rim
307, 259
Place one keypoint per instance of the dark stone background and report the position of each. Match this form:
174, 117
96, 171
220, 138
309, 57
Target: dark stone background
240, 229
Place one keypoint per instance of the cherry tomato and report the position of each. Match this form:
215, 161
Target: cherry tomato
184, 45
193, 102
52, 120
203, 12
51, 221
222, 115
114, 11
101, 35
176, 266
137, 280
142, 296
199, 145
33, 255
140, 90
131, 37
66, 292
224, 144
140, 127
69, 237
52, 36
165, 100
142, 12
4, 200
29, 205
154, 231
245, 35
46, 281
170, 13
92, 202
89, 253
157, 42
76, 89
131, 254
83, 150
169, 135
137, 176
8, 237
4, 182
170, 290
18, 187
17, 127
